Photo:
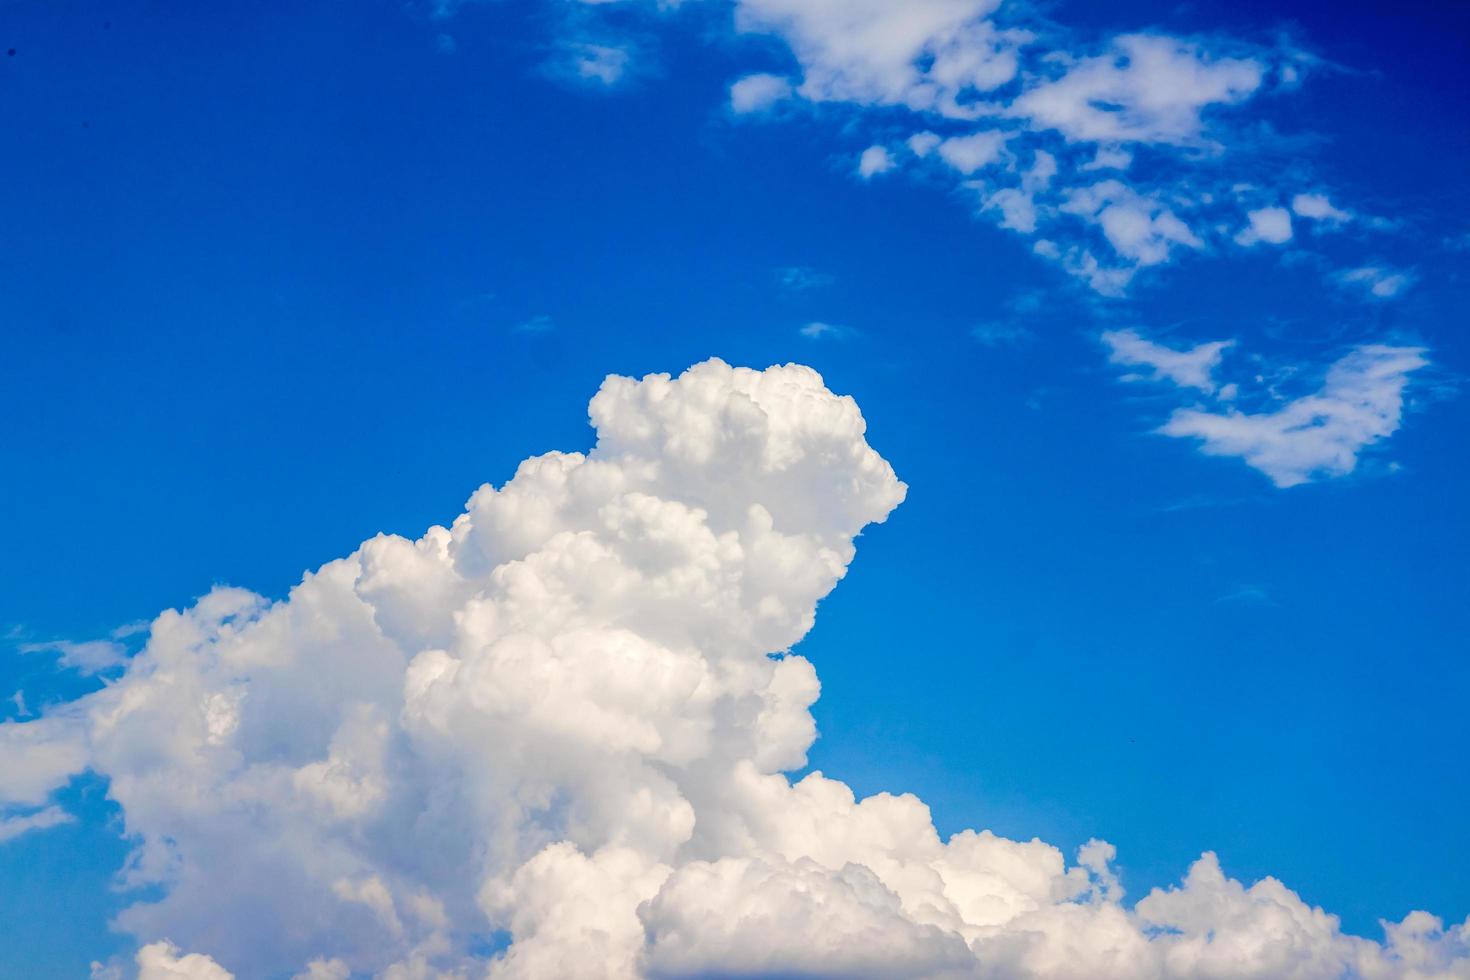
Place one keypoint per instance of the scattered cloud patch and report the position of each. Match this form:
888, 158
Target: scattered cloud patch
923, 144
818, 330
165, 961
1193, 367
1017, 205
1318, 207
924, 55
1375, 281
1271, 225
988, 97
1140, 229
86, 657
967, 154
757, 93
984, 87
1147, 88
51, 816
1318, 435
1109, 157
597, 64
1314, 436
875, 160
129, 629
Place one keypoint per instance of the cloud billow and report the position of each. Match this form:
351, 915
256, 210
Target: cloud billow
566, 718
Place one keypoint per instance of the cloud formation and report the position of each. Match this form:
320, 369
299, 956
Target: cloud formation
758, 92
1315, 436
51, 816
1318, 207
549, 740
87, 656
1191, 368
1042, 126
1375, 281
875, 160
1360, 403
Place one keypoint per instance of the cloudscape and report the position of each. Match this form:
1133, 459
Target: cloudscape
1021, 531
567, 715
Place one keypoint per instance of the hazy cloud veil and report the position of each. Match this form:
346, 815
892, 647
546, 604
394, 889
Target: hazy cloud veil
547, 741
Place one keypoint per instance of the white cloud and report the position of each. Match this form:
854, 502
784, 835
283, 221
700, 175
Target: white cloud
923, 144
756, 93
1139, 229
1270, 224
51, 816
603, 64
968, 154
947, 59
1319, 208
87, 657
38, 757
1360, 403
922, 54
1109, 158
567, 715
1376, 281
818, 330
1147, 89
1107, 280
335, 969
1017, 205
942, 68
875, 160
1190, 368
163, 961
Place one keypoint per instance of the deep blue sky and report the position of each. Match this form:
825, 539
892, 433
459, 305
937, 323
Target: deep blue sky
266, 270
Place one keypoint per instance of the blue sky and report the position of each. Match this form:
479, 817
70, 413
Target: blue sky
280, 277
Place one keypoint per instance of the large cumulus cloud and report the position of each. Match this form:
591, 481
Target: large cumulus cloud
549, 740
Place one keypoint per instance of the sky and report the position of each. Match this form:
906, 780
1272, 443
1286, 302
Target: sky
1151, 530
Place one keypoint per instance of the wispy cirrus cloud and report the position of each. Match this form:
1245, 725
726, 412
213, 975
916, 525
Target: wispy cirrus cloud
1322, 434
87, 656
1376, 282
1319, 207
1292, 441
821, 330
1193, 367
47, 817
